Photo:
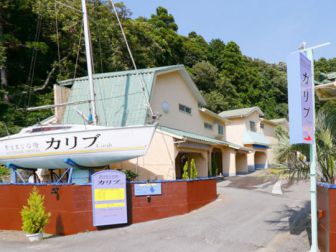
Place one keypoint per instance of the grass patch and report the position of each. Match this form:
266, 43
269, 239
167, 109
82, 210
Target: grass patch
275, 172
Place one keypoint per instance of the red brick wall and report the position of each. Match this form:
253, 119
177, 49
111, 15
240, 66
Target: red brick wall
326, 203
71, 210
323, 224
177, 198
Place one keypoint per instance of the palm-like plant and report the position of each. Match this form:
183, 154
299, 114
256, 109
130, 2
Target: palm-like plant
296, 156
326, 145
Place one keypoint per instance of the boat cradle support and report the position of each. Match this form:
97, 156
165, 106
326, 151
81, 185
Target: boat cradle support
78, 174
73, 168
14, 173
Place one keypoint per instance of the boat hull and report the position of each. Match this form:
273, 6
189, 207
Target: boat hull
87, 148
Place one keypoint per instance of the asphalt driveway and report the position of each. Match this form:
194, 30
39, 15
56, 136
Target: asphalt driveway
245, 217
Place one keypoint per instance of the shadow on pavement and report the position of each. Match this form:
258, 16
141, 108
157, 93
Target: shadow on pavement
293, 220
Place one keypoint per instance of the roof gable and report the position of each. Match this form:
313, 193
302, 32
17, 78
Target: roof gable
119, 97
236, 113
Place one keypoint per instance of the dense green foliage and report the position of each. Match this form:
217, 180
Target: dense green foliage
34, 216
296, 157
41, 42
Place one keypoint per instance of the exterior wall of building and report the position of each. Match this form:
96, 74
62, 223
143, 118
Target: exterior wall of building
250, 162
261, 159
200, 156
237, 126
254, 117
201, 162
159, 161
241, 163
61, 95
235, 131
269, 132
228, 162
172, 90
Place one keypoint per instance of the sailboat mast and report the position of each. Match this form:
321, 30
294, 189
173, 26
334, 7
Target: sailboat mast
89, 62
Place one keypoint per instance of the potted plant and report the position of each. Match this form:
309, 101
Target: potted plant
34, 216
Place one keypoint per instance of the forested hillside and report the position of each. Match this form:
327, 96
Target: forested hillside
41, 42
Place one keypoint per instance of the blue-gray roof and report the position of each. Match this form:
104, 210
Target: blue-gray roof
200, 138
119, 97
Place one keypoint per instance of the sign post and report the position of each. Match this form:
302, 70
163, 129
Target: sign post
313, 180
109, 198
301, 107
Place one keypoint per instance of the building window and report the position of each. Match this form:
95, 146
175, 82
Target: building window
253, 126
220, 129
185, 109
208, 126
262, 126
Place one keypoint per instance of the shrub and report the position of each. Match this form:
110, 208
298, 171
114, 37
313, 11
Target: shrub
193, 169
4, 172
214, 167
185, 174
34, 216
130, 175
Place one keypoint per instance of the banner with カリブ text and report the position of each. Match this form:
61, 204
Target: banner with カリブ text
300, 99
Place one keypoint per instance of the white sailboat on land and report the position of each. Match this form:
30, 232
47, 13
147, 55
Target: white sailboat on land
50, 146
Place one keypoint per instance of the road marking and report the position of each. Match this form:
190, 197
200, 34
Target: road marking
277, 188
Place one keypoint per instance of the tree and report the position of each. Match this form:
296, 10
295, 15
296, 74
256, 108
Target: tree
163, 19
215, 51
193, 169
204, 75
185, 174
195, 49
34, 216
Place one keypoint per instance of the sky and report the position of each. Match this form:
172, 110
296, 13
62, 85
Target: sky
264, 29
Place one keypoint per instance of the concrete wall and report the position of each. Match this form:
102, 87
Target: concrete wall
241, 163
228, 162
250, 162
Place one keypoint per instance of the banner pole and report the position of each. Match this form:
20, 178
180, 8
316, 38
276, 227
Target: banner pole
313, 180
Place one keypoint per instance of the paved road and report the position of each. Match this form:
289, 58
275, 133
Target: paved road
246, 217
